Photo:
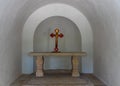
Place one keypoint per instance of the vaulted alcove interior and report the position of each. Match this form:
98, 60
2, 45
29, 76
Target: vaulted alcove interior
38, 19
17, 28
71, 42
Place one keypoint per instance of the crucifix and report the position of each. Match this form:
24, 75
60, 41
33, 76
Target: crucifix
56, 35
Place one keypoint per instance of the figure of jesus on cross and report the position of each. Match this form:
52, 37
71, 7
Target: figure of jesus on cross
56, 35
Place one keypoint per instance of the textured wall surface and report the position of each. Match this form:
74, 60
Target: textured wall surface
10, 42
103, 16
106, 42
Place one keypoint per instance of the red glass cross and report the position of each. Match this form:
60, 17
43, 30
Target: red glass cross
56, 35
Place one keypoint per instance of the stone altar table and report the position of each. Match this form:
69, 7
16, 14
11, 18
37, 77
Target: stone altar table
40, 61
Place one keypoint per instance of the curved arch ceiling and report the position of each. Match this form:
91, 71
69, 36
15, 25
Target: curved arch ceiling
57, 10
103, 15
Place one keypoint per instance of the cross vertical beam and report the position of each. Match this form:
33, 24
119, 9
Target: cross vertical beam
56, 35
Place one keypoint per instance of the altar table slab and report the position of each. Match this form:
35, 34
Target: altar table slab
40, 61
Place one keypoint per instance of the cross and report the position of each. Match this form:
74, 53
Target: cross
56, 35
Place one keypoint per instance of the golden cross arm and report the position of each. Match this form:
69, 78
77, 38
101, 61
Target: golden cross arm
56, 35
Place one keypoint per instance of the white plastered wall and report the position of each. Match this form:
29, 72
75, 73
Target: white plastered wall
13, 14
57, 10
10, 41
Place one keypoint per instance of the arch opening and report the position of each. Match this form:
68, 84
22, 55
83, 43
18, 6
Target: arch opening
63, 10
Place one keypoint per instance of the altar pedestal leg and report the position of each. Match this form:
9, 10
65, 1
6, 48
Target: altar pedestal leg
39, 68
75, 63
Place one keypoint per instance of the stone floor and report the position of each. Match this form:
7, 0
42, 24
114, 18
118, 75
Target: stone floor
53, 78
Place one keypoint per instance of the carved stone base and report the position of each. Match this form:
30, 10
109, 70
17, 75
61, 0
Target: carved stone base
40, 61
75, 63
39, 64
75, 74
39, 74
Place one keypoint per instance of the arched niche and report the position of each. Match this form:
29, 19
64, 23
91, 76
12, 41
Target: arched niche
50, 10
71, 42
